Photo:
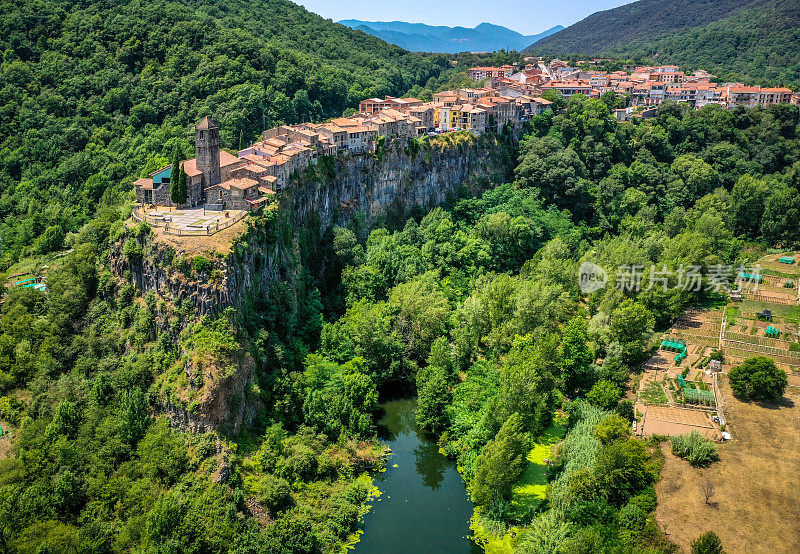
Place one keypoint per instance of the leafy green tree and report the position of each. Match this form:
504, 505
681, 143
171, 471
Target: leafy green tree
556, 98
275, 493
631, 326
182, 191
65, 421
576, 358
623, 468
758, 379
341, 400
433, 398
707, 543
500, 463
366, 331
604, 394
527, 381
556, 171
612, 428
51, 240
133, 413
748, 198
781, 213
420, 312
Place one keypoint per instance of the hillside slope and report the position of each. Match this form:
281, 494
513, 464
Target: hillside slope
759, 44
636, 22
419, 37
93, 93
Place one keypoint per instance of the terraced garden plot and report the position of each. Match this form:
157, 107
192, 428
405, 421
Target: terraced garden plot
652, 394
749, 308
705, 340
762, 349
735, 350
758, 340
775, 298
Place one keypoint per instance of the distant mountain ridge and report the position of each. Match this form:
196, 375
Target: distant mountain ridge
419, 37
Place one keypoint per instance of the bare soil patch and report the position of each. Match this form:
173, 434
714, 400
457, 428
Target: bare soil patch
756, 498
5, 442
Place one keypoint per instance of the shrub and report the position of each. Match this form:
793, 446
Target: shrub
51, 240
126, 294
10, 409
623, 468
611, 428
500, 463
758, 379
201, 264
625, 409
632, 517
695, 449
142, 230
132, 250
707, 543
274, 493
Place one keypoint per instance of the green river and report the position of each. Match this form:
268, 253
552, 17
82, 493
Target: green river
424, 505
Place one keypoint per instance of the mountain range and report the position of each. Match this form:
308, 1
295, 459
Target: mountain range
418, 37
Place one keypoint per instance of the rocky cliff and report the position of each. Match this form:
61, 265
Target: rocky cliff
418, 174
396, 176
212, 385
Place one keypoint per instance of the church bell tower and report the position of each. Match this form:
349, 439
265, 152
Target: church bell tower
206, 145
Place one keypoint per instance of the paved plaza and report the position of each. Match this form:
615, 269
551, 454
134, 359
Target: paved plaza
192, 218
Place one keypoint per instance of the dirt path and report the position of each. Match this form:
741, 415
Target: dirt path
757, 483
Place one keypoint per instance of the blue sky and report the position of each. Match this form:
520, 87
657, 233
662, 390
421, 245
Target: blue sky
526, 16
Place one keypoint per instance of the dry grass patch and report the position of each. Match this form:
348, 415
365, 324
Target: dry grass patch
755, 498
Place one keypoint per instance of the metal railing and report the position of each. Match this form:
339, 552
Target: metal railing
204, 230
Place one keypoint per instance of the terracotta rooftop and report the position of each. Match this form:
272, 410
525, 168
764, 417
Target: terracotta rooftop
241, 183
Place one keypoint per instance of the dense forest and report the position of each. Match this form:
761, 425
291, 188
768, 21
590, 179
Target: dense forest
95, 94
747, 40
636, 21
474, 305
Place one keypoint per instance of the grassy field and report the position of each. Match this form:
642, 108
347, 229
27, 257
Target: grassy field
531, 489
755, 503
528, 494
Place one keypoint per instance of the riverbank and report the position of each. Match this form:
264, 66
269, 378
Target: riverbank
528, 495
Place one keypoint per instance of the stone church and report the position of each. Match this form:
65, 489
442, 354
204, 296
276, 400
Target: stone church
214, 177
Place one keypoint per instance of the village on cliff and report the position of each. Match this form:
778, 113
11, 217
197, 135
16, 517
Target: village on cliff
221, 182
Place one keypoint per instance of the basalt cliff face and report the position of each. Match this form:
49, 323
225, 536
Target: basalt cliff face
394, 178
399, 177
214, 392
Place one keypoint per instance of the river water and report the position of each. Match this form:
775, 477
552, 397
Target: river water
424, 505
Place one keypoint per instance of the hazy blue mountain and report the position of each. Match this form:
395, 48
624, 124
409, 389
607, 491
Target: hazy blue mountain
419, 37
